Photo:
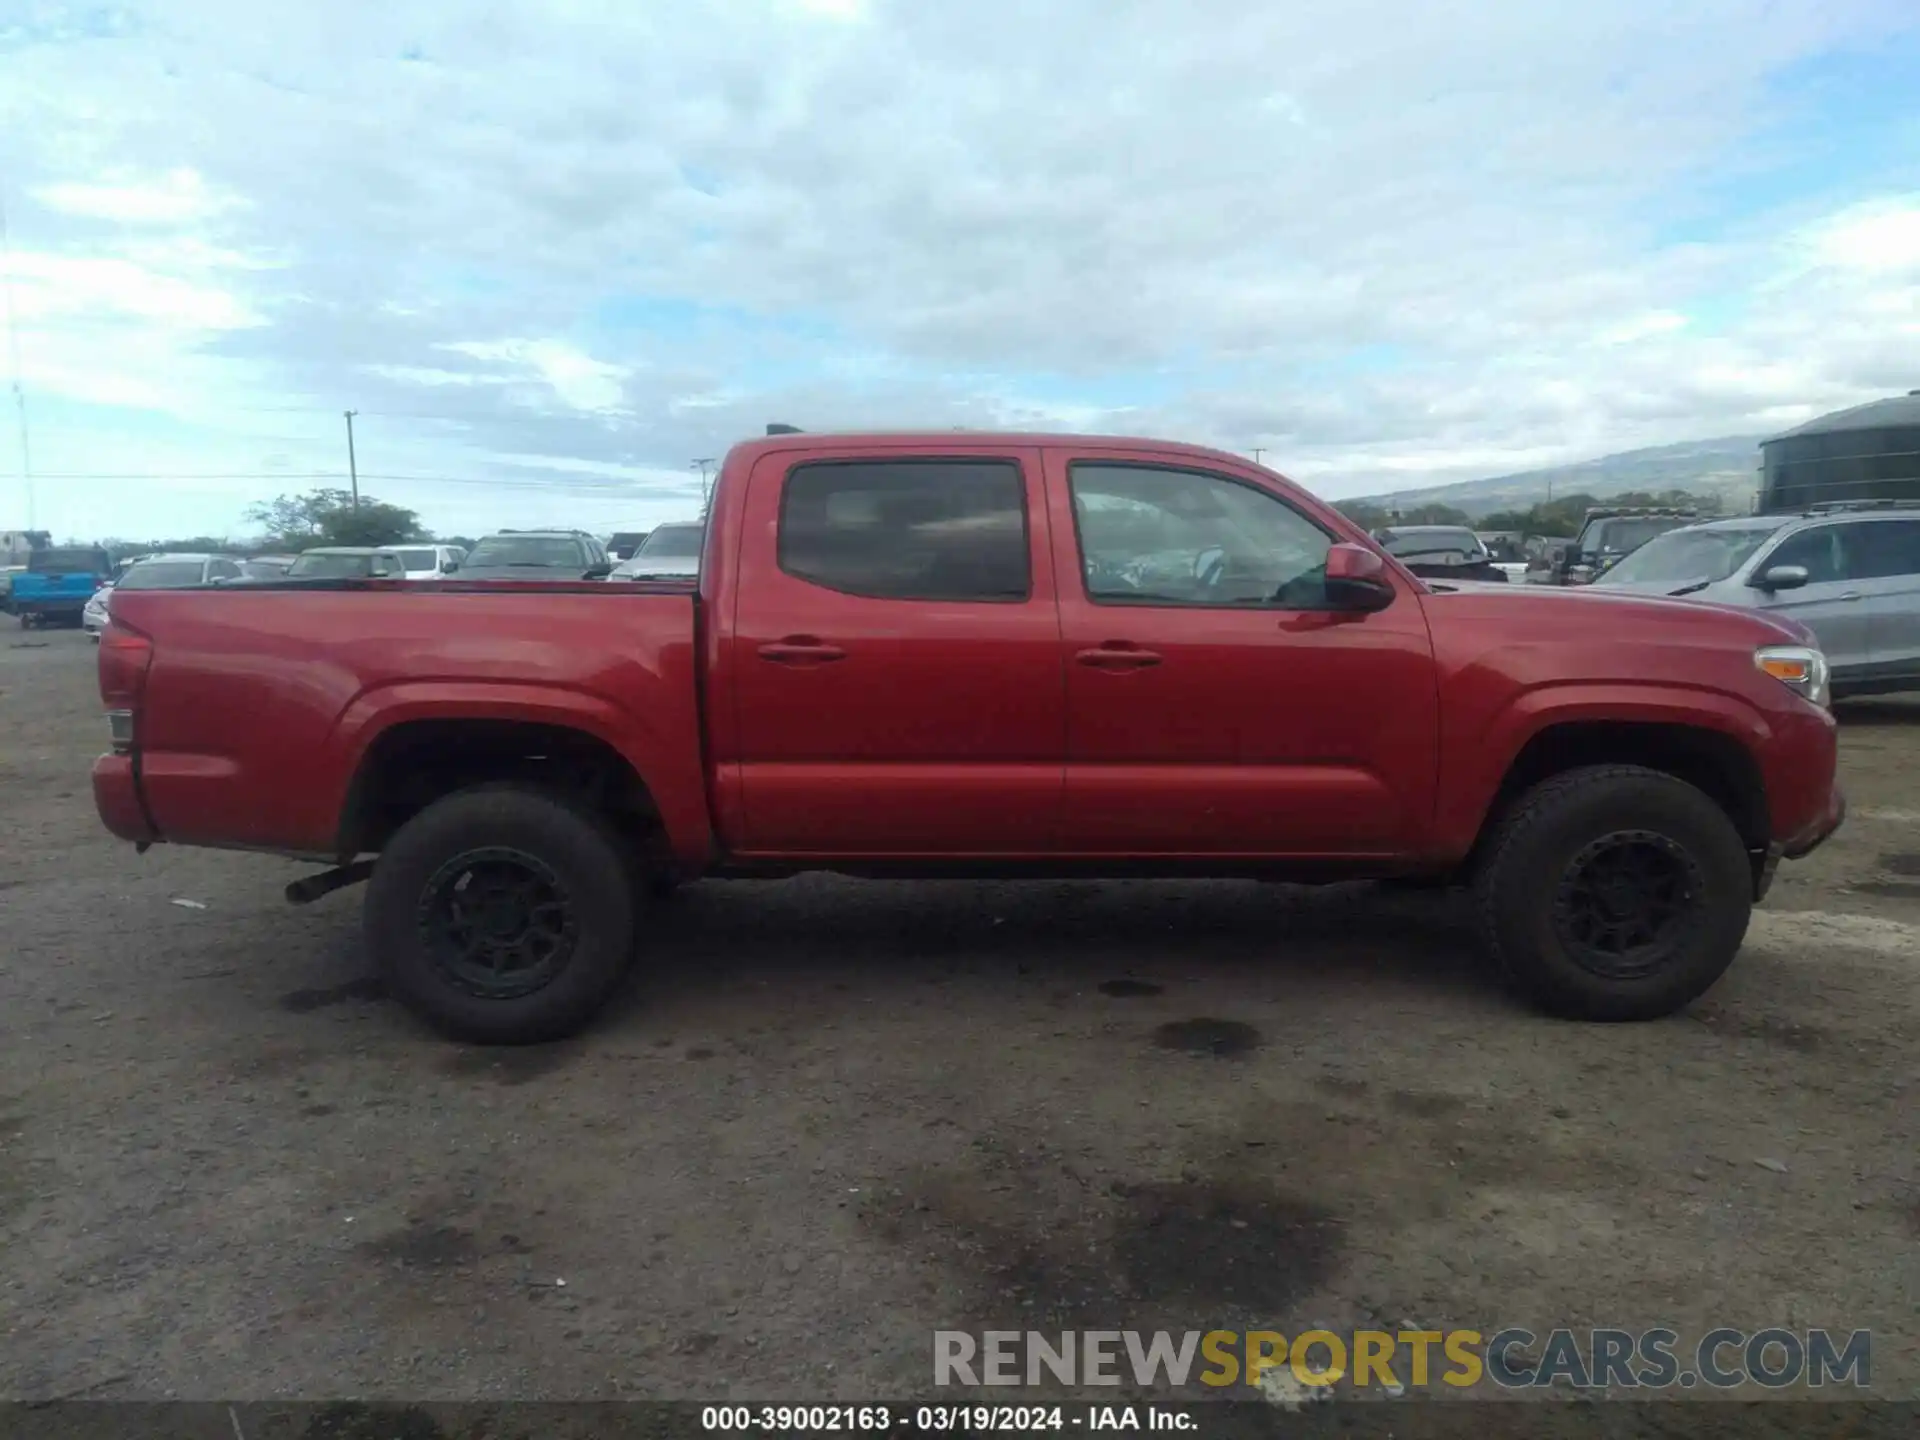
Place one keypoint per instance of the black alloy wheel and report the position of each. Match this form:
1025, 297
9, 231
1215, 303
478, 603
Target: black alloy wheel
1627, 903
498, 922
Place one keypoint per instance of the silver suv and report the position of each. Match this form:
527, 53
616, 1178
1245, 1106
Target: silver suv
1848, 572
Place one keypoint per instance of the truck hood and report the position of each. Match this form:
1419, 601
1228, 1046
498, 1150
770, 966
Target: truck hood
1605, 613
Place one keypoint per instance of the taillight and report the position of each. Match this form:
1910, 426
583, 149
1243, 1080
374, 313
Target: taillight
124, 657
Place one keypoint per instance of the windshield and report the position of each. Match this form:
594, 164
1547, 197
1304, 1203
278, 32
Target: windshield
545, 552
71, 558
1617, 537
330, 567
162, 575
1691, 557
1435, 541
420, 559
674, 542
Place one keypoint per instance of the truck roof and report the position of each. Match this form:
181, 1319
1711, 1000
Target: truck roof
978, 439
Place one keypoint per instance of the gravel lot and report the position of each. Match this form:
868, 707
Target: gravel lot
826, 1118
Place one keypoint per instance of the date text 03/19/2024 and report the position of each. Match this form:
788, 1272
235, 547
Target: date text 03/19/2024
942, 1419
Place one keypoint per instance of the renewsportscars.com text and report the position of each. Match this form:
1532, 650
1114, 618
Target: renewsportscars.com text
1511, 1358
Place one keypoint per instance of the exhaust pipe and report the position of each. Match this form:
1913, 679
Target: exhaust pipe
311, 887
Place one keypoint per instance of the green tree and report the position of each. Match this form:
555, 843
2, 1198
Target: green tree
1360, 512
329, 517
1432, 514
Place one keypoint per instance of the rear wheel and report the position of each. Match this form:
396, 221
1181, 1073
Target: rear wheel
1614, 892
502, 915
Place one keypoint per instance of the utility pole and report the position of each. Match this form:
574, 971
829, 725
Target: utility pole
16, 383
353, 466
1257, 453
706, 493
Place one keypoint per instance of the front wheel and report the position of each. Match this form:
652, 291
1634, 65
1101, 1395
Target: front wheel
1614, 892
502, 915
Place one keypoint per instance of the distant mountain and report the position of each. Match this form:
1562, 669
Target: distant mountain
1728, 467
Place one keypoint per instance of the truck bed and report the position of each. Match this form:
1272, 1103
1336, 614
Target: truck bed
307, 679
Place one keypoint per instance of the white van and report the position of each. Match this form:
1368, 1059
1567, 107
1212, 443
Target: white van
428, 562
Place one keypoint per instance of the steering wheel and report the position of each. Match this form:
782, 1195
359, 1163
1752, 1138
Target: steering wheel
1210, 567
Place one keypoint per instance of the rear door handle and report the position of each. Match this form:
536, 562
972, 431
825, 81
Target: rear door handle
801, 650
1851, 595
1117, 655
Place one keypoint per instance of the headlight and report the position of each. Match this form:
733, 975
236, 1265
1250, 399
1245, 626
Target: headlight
1799, 667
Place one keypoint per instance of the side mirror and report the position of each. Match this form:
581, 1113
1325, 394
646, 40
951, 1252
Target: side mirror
1782, 577
596, 572
1357, 579
449, 567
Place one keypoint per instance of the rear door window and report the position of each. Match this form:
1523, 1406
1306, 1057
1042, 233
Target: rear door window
1885, 548
908, 529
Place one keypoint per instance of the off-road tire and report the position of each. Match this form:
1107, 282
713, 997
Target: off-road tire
584, 854
1532, 849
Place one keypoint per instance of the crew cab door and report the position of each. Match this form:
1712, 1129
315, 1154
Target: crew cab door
1215, 704
1889, 571
895, 657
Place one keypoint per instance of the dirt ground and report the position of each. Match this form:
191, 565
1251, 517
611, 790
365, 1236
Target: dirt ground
827, 1118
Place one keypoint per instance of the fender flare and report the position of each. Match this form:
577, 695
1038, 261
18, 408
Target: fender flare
377, 712
1468, 793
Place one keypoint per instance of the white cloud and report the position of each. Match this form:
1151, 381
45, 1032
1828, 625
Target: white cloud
1385, 241
1641, 327
50, 287
576, 378
175, 198
1880, 238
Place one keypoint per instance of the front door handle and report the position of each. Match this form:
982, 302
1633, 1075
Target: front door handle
1851, 595
1117, 655
801, 650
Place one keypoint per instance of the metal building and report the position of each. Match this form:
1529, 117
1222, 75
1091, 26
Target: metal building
1871, 452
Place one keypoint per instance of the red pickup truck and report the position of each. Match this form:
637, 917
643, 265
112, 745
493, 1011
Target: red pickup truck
972, 654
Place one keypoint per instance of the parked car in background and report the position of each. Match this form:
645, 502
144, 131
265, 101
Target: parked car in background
923, 654
430, 562
347, 562
1508, 551
1609, 536
1849, 573
535, 555
622, 544
1546, 557
671, 551
1440, 552
57, 583
159, 572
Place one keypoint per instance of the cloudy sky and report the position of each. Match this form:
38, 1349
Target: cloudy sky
552, 252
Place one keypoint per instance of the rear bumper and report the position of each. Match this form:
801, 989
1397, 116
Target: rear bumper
116, 795
48, 604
